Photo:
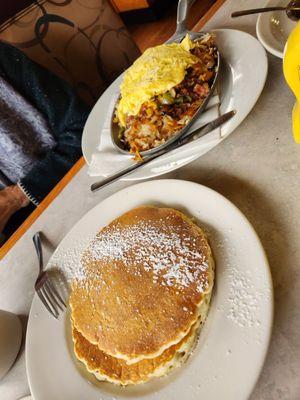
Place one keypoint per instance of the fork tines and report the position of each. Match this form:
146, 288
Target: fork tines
50, 297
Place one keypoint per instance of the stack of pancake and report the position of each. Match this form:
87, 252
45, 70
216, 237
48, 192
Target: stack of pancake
145, 291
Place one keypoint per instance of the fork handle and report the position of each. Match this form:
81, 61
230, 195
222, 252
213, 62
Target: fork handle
182, 15
38, 247
256, 11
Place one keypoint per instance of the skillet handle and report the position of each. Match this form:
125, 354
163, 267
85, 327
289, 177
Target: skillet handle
182, 15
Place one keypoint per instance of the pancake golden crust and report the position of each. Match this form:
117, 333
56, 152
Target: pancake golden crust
115, 370
146, 274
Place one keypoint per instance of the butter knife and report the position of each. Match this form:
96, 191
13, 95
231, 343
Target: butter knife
205, 129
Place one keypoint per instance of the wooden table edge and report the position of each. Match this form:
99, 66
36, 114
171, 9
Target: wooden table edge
41, 207
77, 166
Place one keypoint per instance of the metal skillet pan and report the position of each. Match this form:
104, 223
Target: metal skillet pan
179, 35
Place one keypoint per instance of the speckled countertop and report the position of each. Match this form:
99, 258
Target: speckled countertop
258, 169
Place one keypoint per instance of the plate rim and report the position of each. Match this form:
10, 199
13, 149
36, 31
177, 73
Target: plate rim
269, 281
260, 37
259, 29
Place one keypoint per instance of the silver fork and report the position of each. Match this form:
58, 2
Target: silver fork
44, 288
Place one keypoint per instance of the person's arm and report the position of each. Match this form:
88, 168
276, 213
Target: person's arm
64, 111
11, 200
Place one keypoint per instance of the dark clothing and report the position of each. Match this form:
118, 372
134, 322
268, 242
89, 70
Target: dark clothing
50, 117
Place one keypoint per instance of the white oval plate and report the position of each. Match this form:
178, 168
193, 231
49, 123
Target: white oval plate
234, 341
242, 79
273, 28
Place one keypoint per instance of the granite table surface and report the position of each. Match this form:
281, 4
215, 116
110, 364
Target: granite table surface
257, 167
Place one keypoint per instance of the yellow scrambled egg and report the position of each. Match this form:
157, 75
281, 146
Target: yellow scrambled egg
158, 70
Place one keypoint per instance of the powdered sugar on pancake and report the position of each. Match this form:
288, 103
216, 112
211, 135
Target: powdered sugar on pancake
171, 257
